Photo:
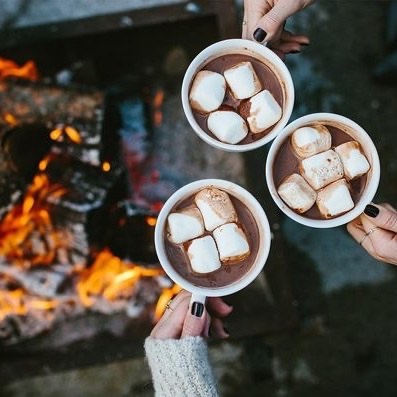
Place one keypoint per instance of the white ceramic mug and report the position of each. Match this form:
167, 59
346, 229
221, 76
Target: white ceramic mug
357, 133
258, 51
200, 293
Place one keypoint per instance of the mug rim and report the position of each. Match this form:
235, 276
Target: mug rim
262, 51
369, 191
261, 221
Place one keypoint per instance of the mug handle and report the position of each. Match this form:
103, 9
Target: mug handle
197, 298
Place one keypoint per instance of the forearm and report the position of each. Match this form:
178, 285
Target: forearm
180, 367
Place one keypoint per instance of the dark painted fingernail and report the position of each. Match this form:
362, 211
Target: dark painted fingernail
306, 44
371, 211
197, 309
294, 52
259, 35
225, 330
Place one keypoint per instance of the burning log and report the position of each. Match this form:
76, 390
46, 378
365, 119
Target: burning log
42, 282
23, 317
86, 186
36, 232
73, 116
130, 233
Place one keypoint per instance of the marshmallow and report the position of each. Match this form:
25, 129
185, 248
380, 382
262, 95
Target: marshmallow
354, 162
216, 208
308, 141
322, 169
243, 80
335, 199
231, 242
297, 193
203, 255
207, 92
264, 111
227, 126
185, 225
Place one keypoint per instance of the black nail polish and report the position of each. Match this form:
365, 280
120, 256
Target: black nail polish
305, 44
226, 331
294, 52
371, 211
259, 35
197, 309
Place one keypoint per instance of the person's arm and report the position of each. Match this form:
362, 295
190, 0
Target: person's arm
176, 349
376, 231
180, 367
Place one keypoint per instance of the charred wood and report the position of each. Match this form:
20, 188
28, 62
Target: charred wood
75, 114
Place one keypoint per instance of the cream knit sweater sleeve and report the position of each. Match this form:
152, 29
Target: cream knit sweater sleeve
180, 367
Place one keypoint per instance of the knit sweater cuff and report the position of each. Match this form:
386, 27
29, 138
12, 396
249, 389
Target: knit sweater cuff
180, 367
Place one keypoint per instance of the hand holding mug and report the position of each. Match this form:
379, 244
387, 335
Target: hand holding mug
376, 231
264, 21
185, 318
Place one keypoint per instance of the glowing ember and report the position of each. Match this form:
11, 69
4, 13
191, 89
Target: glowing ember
43, 163
151, 220
59, 133
157, 104
73, 134
9, 68
106, 166
10, 119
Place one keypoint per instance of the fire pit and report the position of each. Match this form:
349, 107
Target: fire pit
83, 177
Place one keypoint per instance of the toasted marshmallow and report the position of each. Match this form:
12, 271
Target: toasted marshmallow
243, 80
185, 225
354, 162
308, 141
264, 112
297, 193
231, 242
216, 208
335, 199
322, 169
227, 126
203, 255
207, 92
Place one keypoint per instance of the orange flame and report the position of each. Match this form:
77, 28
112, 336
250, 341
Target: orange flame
19, 303
29, 216
9, 68
110, 277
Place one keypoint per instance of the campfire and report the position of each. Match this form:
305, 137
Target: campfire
51, 268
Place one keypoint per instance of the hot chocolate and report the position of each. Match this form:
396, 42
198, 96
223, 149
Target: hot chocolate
259, 106
233, 220
290, 163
